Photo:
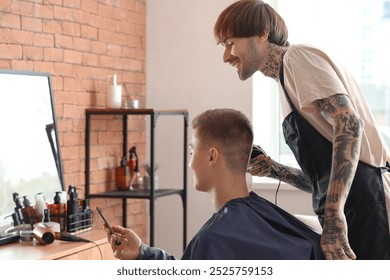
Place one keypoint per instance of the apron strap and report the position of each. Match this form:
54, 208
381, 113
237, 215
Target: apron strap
281, 78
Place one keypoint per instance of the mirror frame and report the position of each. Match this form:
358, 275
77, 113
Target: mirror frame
50, 128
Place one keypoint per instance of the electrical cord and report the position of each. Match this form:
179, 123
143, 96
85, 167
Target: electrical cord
100, 251
276, 192
275, 175
73, 238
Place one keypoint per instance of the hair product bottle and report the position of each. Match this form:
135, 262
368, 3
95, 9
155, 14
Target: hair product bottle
72, 210
132, 161
136, 178
40, 205
58, 210
30, 212
18, 208
123, 176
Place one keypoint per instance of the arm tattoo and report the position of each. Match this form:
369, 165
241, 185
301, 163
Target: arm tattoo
347, 131
332, 227
294, 177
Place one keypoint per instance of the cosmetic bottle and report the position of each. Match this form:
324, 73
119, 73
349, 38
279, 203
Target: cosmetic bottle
57, 210
18, 208
136, 178
132, 161
31, 215
16, 226
122, 176
72, 210
40, 205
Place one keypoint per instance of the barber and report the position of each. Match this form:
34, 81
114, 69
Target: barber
328, 126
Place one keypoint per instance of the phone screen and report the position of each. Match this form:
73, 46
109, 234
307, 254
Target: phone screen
118, 242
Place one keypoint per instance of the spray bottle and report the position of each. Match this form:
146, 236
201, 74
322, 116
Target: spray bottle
123, 176
136, 178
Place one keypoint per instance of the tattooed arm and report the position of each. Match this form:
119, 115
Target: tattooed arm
264, 166
347, 134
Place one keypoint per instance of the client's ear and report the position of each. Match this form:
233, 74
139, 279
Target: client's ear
213, 156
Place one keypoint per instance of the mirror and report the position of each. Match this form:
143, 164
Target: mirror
30, 161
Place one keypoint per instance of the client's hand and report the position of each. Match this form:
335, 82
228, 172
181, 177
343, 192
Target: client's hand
261, 165
130, 243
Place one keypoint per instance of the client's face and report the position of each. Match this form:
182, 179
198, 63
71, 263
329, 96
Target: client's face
199, 163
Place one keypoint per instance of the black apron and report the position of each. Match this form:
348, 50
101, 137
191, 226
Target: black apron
365, 208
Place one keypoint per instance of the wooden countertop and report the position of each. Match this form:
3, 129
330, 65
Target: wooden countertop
58, 249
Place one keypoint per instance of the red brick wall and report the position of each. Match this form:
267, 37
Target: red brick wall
81, 42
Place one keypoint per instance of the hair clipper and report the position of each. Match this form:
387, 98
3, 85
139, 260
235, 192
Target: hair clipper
256, 151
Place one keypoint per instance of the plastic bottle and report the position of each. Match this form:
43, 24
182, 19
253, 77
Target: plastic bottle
137, 180
136, 183
29, 210
57, 210
123, 176
18, 208
72, 210
40, 205
132, 162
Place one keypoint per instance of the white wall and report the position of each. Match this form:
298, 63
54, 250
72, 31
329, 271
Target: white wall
185, 71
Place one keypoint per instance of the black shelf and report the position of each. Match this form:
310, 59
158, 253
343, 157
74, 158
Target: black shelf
144, 194
151, 194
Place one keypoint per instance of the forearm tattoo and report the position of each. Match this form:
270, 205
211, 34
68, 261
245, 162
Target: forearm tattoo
293, 176
347, 130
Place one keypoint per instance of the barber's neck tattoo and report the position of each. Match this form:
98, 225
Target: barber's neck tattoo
347, 131
271, 65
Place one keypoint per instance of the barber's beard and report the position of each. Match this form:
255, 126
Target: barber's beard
249, 63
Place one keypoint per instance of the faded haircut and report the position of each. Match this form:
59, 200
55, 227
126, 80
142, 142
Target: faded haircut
231, 130
248, 18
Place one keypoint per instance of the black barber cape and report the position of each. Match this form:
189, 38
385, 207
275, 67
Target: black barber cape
249, 228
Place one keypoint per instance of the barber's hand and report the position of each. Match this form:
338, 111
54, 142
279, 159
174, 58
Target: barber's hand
129, 249
334, 239
260, 165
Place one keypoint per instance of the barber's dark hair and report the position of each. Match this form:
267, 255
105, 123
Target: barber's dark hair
248, 18
231, 130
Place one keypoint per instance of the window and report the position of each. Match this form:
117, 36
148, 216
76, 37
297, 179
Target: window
355, 32
386, 10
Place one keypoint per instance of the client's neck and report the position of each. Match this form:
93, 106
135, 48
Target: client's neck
229, 187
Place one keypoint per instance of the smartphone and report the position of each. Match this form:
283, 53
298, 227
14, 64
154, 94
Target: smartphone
117, 241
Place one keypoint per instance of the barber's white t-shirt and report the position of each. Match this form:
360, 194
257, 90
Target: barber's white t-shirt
310, 74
